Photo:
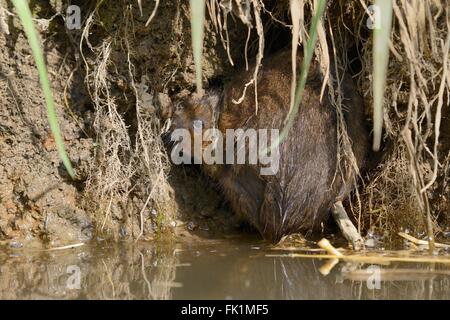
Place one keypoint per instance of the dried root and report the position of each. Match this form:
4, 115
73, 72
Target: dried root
128, 181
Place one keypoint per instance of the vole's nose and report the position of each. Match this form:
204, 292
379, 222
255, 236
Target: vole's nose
166, 137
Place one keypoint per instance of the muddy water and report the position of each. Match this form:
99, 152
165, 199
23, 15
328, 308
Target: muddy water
225, 269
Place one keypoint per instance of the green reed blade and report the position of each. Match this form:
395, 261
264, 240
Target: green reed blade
197, 25
24, 13
381, 35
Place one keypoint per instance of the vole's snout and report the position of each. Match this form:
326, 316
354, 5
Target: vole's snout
166, 137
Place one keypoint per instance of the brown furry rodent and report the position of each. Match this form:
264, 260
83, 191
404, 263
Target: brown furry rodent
299, 196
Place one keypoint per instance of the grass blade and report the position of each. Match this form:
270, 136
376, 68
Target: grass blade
381, 37
197, 24
310, 44
27, 21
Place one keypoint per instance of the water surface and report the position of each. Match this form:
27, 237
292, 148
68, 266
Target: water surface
212, 269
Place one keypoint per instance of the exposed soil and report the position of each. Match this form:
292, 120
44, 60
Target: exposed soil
38, 200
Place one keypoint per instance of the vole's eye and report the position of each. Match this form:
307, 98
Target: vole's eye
179, 106
197, 124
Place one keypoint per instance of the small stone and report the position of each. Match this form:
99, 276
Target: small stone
16, 244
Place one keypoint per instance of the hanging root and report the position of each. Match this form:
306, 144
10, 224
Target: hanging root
409, 188
416, 94
243, 11
128, 178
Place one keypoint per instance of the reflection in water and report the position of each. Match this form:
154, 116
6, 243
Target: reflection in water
211, 270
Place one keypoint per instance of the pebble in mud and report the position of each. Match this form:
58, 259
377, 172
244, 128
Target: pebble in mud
15, 244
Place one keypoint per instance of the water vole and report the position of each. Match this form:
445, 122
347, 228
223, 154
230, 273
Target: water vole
306, 184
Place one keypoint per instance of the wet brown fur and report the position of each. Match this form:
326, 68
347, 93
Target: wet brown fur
298, 198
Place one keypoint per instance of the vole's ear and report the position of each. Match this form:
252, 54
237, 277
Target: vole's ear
178, 106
